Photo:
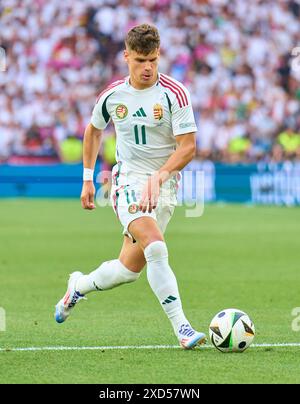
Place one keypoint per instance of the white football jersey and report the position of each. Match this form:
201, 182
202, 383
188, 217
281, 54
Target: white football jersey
146, 121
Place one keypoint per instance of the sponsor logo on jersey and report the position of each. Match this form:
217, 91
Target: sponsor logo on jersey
186, 125
158, 111
133, 208
121, 111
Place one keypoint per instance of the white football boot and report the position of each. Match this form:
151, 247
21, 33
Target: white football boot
189, 338
66, 304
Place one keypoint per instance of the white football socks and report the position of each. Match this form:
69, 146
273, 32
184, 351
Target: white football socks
160, 276
109, 275
163, 283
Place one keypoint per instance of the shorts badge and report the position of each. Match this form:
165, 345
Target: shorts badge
133, 208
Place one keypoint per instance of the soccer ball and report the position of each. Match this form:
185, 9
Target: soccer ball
231, 330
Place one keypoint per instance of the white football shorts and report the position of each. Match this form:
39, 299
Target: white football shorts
125, 201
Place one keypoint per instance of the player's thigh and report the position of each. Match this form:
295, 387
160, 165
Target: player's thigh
132, 256
145, 230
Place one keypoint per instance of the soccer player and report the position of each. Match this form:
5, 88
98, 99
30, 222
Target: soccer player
155, 129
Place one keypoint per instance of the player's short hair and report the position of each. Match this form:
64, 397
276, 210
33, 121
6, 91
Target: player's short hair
143, 39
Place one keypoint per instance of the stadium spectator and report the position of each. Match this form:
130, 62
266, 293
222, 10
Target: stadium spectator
239, 149
71, 150
277, 155
6, 142
290, 142
234, 56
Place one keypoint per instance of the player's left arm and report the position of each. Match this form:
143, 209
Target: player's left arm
185, 152
184, 129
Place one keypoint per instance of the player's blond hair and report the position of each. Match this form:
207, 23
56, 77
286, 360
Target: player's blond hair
143, 39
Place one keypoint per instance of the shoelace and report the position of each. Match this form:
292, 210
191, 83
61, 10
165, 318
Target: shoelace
75, 299
186, 330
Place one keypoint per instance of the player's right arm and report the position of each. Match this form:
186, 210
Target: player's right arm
91, 145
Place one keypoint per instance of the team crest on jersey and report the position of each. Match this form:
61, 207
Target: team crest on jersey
133, 208
121, 111
158, 111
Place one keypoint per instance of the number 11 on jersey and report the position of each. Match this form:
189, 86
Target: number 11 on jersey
140, 134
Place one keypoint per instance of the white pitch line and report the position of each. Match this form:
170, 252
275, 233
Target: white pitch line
126, 347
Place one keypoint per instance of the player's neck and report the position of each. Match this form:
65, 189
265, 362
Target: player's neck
142, 86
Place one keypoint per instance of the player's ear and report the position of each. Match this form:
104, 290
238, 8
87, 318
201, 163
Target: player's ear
126, 55
158, 53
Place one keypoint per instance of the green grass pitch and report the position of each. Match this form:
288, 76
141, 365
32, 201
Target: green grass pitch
233, 256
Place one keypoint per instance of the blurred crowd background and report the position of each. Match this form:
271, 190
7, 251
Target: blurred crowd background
235, 57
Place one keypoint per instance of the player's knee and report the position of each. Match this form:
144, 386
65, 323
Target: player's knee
156, 251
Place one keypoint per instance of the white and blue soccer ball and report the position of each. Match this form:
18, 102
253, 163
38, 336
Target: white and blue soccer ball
231, 330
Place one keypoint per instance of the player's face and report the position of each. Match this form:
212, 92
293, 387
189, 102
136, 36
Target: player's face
143, 69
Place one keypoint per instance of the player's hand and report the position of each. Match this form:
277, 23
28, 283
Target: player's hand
87, 195
150, 194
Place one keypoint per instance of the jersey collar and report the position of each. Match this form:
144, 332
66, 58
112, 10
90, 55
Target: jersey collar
127, 81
